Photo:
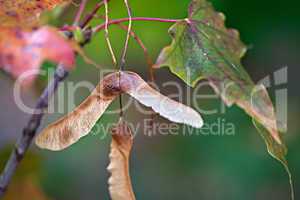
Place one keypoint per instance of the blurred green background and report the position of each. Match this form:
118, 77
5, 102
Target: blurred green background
174, 166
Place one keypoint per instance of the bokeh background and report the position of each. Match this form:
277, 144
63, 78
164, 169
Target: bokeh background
169, 166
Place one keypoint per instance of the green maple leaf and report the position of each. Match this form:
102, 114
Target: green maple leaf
203, 48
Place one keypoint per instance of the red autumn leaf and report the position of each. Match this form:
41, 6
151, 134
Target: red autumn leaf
24, 46
21, 51
24, 13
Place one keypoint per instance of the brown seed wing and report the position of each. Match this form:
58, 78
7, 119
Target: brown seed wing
166, 107
74, 126
120, 187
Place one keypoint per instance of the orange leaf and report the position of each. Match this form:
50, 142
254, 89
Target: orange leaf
22, 51
79, 123
24, 13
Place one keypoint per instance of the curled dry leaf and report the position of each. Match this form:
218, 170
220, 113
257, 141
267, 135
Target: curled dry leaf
24, 13
79, 123
120, 187
22, 51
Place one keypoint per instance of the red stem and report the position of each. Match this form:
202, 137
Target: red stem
79, 12
118, 21
91, 15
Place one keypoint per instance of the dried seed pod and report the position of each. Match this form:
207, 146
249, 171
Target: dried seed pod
120, 187
79, 123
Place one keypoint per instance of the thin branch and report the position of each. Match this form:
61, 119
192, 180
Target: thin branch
122, 64
114, 60
30, 130
140, 43
80, 11
91, 15
118, 21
